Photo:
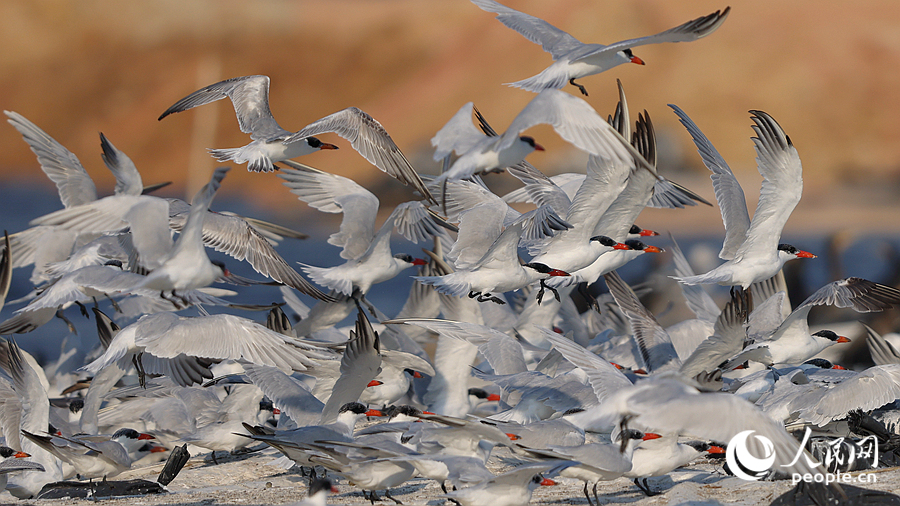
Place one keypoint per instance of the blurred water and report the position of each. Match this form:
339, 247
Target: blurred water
871, 257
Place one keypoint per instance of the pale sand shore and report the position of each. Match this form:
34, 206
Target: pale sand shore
248, 480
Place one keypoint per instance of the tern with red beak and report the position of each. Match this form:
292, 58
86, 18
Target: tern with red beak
513, 488
574, 59
250, 96
752, 248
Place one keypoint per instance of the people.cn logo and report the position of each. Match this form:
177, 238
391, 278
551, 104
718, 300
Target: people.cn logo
740, 459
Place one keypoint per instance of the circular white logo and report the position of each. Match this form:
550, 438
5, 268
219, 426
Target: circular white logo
739, 458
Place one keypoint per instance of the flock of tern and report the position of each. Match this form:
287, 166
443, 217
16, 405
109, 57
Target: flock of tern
564, 383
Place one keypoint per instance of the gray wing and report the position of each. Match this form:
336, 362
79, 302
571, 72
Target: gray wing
458, 134
603, 376
699, 302
729, 194
360, 364
552, 39
286, 394
239, 239
870, 389
61, 165
882, 351
250, 96
862, 295
779, 165
128, 179
728, 337
369, 139
502, 352
653, 341
5, 269
687, 32
13, 465
331, 193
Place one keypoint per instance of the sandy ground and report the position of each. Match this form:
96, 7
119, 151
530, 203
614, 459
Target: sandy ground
249, 480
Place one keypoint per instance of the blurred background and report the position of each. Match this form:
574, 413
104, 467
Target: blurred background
827, 71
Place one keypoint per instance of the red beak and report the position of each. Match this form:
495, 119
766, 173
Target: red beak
715, 449
417, 374
374, 412
557, 272
374, 383
839, 367
648, 233
635, 59
334, 490
493, 397
653, 249
805, 254
427, 413
617, 366
158, 449
621, 246
21, 455
325, 145
639, 371
145, 436
276, 411
512, 437
547, 482
650, 435
419, 261
538, 147
842, 339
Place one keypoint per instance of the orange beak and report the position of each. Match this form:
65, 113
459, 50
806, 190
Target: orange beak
21, 455
805, 254
842, 339
839, 367
374, 383
648, 233
547, 482
635, 59
512, 437
325, 145
557, 272
715, 449
493, 397
145, 436
650, 435
639, 371
617, 366
158, 449
621, 246
374, 412
653, 249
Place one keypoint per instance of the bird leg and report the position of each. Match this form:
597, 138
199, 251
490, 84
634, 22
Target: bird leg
473, 294
585, 292
580, 87
112, 301
212, 455
387, 493
484, 297
540, 294
587, 496
139, 367
61, 316
645, 488
83, 309
373, 496
596, 498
